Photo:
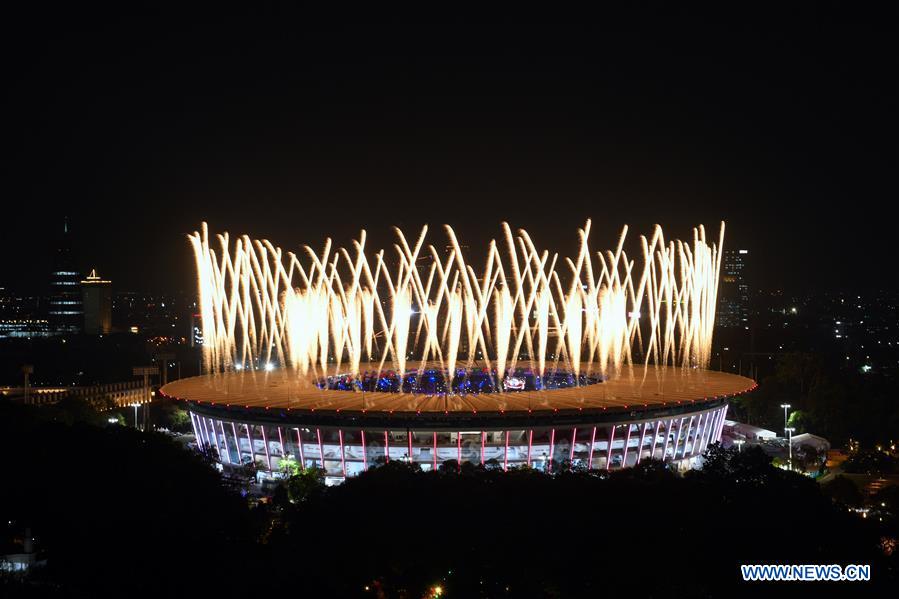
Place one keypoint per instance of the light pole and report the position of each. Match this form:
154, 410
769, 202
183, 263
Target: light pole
134, 405
789, 430
739, 444
146, 396
786, 407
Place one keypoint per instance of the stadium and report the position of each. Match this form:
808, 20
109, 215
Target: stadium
345, 362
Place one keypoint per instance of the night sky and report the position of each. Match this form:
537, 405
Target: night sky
293, 128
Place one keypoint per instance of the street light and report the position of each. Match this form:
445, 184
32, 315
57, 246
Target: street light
786, 407
739, 444
790, 430
135, 405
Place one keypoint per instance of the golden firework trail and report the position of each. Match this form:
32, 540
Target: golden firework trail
333, 312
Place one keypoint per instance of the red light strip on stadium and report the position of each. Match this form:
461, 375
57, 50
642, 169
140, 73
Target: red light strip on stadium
590, 457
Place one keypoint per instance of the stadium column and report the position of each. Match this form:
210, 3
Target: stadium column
215, 438
205, 430
590, 450
667, 438
364, 451
237, 443
697, 435
710, 429
342, 452
552, 444
627, 442
225, 442
686, 438
699, 445
281, 443
506, 454
321, 449
642, 439
723, 418
571, 453
680, 426
250, 440
300, 445
609, 448
196, 430
530, 444
268, 458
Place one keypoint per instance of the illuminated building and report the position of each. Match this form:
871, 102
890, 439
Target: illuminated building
65, 312
262, 417
97, 300
341, 360
733, 291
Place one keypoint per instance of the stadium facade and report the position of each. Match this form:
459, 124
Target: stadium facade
265, 418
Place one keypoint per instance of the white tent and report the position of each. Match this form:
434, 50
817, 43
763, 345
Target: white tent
746, 431
819, 443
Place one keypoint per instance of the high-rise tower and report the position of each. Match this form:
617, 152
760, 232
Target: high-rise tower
733, 291
97, 295
65, 313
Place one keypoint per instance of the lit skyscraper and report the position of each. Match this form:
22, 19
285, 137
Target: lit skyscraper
97, 294
733, 291
65, 308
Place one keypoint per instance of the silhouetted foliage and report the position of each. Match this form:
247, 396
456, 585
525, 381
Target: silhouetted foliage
844, 491
148, 513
